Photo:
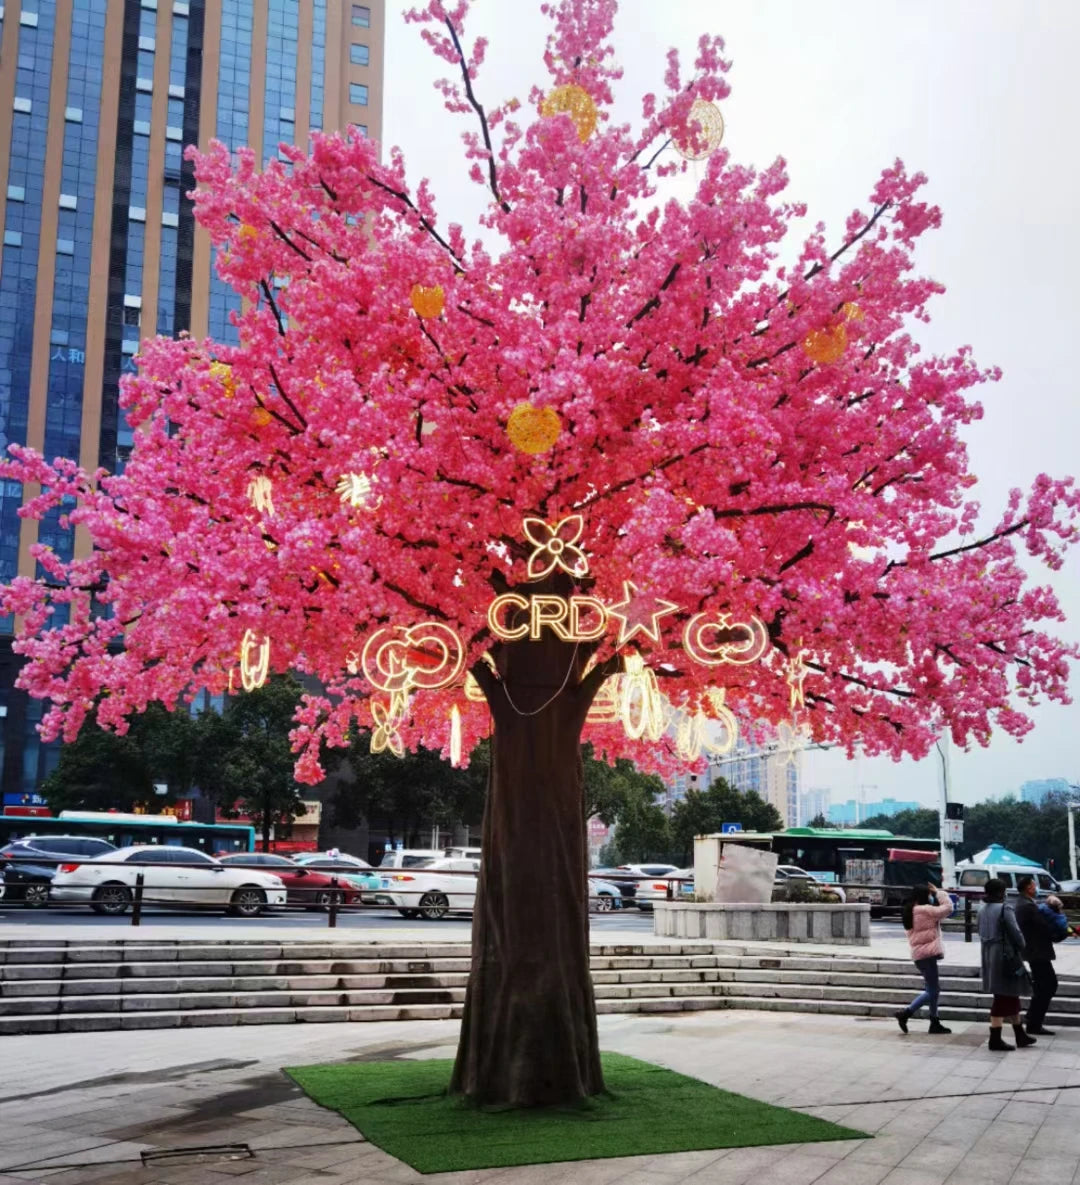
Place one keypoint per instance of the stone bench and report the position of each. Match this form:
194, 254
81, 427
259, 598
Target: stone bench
790, 921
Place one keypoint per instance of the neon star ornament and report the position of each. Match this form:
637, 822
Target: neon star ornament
790, 742
556, 547
639, 613
254, 660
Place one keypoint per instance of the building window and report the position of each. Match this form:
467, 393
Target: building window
361, 15
12, 238
169, 219
65, 246
136, 214
358, 94
23, 105
30, 19
73, 114
144, 84
361, 128
142, 127
16, 193
68, 201
132, 316
358, 55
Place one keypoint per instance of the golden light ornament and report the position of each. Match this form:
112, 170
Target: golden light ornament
790, 743
575, 101
696, 143
851, 311
261, 492
702, 643
725, 716
641, 705
387, 719
556, 547
222, 371
427, 302
605, 706
260, 417
796, 671
640, 613
825, 346
254, 660
424, 656
533, 430
355, 490
455, 735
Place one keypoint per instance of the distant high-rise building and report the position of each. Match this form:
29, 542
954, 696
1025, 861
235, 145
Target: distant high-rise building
100, 248
1037, 791
853, 811
813, 803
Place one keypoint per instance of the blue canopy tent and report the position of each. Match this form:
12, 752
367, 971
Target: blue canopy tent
996, 854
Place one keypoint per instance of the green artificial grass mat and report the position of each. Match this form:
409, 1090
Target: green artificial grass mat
403, 1107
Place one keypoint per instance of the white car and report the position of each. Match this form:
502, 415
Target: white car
171, 876
649, 880
431, 890
603, 895
786, 873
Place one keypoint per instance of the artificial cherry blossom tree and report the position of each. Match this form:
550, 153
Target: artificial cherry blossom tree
729, 458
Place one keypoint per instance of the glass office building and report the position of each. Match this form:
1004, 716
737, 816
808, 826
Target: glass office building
98, 99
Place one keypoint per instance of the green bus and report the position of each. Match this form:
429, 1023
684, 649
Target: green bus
125, 830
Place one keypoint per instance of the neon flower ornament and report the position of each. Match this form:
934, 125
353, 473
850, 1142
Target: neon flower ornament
556, 547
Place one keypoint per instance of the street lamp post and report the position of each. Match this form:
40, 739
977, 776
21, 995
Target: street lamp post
948, 855
1069, 808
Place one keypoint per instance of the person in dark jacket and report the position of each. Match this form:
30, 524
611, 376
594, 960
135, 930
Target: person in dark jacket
1039, 937
997, 926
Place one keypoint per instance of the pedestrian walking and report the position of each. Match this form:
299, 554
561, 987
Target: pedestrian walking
1040, 933
922, 915
1003, 971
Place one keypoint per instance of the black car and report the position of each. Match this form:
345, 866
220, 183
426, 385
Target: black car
28, 881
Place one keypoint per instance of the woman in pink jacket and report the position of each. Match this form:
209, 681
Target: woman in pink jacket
922, 921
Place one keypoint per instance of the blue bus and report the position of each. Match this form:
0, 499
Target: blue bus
124, 830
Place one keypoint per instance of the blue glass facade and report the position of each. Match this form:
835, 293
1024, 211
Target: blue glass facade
234, 82
318, 65
18, 265
279, 120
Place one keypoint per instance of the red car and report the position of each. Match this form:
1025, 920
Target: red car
303, 886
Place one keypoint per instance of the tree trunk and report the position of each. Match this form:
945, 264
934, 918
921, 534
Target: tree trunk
528, 1034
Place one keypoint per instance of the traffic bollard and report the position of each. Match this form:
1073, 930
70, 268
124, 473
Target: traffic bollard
333, 903
136, 909
968, 919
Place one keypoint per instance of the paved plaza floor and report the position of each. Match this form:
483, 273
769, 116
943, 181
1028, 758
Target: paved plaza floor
87, 1107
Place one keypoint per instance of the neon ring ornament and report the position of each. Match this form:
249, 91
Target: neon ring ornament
424, 656
701, 642
254, 660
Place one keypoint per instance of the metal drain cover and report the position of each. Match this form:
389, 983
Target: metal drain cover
199, 1152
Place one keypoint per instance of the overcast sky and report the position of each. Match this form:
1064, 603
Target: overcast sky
979, 94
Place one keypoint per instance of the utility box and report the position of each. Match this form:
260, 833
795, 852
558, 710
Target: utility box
732, 872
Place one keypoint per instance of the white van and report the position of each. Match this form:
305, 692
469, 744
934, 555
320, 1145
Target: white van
973, 877
408, 857
462, 853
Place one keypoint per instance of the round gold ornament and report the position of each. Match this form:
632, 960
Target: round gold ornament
533, 429
826, 345
222, 371
575, 101
260, 417
696, 143
427, 302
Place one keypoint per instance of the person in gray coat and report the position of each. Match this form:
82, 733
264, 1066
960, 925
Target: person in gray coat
998, 927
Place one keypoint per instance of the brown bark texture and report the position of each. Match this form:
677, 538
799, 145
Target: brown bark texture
528, 1033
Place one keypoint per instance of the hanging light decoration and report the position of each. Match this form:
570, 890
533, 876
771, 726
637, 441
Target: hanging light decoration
826, 345
575, 101
696, 143
427, 302
533, 430
455, 736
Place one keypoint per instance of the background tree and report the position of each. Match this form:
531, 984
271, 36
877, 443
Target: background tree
728, 439
705, 811
918, 823
245, 762
407, 794
101, 770
643, 831
819, 820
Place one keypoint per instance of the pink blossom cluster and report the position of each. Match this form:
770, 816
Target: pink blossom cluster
720, 458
